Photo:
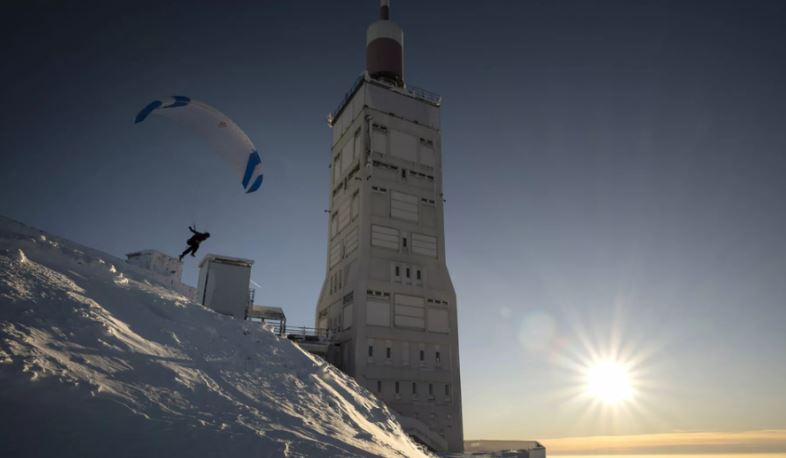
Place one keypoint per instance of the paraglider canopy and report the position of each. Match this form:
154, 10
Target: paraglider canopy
225, 137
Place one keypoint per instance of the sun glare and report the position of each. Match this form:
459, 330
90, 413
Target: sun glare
609, 382
609, 373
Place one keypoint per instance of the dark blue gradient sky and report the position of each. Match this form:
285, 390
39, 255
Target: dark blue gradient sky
613, 170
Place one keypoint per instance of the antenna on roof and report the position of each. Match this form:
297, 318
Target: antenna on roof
385, 48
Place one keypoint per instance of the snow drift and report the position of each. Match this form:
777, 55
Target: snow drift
99, 358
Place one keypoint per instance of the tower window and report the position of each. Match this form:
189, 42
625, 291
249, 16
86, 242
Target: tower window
379, 386
370, 350
447, 390
437, 356
431, 389
407, 272
414, 388
398, 271
422, 355
396, 387
417, 273
404, 242
387, 352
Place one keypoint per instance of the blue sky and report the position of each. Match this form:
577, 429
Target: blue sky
611, 169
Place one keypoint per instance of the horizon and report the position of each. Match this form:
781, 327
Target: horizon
688, 443
613, 178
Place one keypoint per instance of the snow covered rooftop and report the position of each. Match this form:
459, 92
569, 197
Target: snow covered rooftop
265, 311
148, 252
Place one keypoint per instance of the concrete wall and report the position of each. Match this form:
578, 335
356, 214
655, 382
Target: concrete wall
387, 295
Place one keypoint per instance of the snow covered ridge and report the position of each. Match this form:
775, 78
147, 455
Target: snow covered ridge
98, 358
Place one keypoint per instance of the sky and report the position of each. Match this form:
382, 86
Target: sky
613, 174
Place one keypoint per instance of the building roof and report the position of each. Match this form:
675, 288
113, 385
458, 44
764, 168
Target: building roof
226, 260
264, 311
500, 447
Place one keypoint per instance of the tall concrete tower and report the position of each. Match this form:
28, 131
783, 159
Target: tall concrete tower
387, 298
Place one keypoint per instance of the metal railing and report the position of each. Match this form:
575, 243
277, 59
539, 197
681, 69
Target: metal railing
305, 333
421, 93
411, 90
334, 114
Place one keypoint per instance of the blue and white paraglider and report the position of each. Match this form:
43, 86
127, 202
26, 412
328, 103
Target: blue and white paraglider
225, 137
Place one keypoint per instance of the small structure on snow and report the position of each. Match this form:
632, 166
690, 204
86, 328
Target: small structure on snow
167, 269
223, 284
273, 316
158, 262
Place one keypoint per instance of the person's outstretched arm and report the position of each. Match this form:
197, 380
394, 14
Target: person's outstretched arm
192, 230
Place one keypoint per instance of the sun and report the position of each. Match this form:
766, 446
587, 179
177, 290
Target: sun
609, 374
609, 382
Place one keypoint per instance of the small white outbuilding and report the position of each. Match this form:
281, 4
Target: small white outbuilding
223, 284
158, 262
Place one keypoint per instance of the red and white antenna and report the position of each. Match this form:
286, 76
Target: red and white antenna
385, 48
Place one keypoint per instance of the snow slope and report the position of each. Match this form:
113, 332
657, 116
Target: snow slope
97, 358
